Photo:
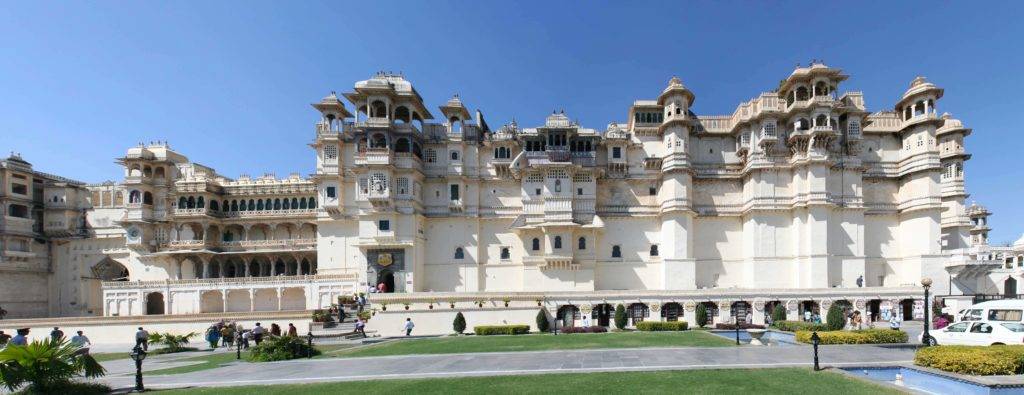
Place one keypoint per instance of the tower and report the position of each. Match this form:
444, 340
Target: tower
674, 195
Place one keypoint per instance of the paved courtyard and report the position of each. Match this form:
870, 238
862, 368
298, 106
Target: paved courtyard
511, 363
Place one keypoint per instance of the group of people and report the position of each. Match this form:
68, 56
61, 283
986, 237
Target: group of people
228, 334
57, 335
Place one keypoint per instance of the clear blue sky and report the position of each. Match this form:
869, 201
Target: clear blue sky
229, 83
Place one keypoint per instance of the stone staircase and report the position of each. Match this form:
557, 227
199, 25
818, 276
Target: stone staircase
339, 330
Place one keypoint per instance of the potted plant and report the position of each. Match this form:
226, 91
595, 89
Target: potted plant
406, 304
480, 303
540, 302
506, 300
451, 303
383, 306
431, 305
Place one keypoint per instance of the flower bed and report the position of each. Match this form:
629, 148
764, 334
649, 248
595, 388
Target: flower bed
657, 326
584, 329
976, 360
865, 336
486, 330
743, 325
793, 326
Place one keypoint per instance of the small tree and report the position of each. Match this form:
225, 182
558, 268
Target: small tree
459, 325
45, 367
620, 316
702, 315
779, 313
542, 321
835, 318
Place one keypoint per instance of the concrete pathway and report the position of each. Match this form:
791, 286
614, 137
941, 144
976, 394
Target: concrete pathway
512, 363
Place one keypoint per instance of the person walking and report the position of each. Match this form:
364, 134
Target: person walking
382, 288
225, 336
292, 331
142, 339
81, 342
245, 339
4, 338
275, 330
56, 334
213, 336
361, 327
894, 322
408, 326
21, 338
257, 333
807, 315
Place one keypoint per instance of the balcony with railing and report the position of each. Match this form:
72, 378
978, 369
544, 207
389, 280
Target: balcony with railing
333, 128
374, 122
374, 156
195, 212
290, 213
584, 158
138, 211
261, 245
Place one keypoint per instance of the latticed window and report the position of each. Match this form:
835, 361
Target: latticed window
745, 139
535, 177
378, 183
364, 187
558, 173
769, 129
581, 177
430, 155
331, 152
403, 186
853, 129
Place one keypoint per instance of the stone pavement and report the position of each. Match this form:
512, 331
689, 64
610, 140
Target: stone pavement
512, 363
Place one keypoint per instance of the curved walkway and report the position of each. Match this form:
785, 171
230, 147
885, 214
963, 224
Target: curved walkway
510, 363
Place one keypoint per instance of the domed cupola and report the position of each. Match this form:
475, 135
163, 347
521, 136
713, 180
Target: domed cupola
919, 100
676, 89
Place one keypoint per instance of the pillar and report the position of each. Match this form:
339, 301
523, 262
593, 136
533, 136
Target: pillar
252, 299
224, 299
278, 299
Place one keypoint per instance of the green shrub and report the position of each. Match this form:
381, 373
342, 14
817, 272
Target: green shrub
835, 320
702, 315
779, 313
865, 336
322, 316
174, 343
620, 317
459, 325
46, 367
793, 326
657, 326
542, 321
281, 348
976, 360
487, 330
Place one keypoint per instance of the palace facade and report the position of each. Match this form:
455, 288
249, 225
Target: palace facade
801, 191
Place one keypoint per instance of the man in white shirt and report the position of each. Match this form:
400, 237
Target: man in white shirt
81, 342
408, 326
142, 339
257, 333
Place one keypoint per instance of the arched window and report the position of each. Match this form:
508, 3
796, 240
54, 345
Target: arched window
402, 114
402, 145
252, 205
821, 120
214, 205
379, 141
616, 252
379, 109
505, 253
302, 203
654, 250
295, 203
558, 185
803, 124
277, 204
801, 93
455, 155
191, 202
459, 254
558, 242
147, 198
581, 244
259, 205
225, 206
234, 205
268, 205
182, 202
200, 202
286, 204
536, 244
312, 202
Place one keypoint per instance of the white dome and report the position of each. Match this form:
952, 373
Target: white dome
1019, 242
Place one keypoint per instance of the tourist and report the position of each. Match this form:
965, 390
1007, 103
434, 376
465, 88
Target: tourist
81, 341
768, 320
4, 338
408, 326
370, 289
226, 336
750, 318
56, 334
860, 282
807, 315
586, 320
894, 322
246, 335
275, 330
142, 339
292, 331
361, 327
257, 333
213, 336
857, 320
382, 288
816, 318
21, 338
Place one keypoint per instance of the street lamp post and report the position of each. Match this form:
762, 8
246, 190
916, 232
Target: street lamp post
238, 347
737, 318
815, 340
138, 355
309, 340
926, 338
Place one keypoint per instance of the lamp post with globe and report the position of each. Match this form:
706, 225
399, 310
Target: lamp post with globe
138, 355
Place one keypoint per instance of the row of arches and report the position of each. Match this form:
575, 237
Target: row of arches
402, 145
801, 93
137, 170
269, 266
236, 300
136, 196
247, 232
921, 107
268, 204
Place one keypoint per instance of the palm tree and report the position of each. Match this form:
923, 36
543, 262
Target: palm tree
174, 343
45, 365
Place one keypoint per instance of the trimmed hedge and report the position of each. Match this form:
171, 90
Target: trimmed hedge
743, 325
584, 329
486, 330
658, 326
281, 348
864, 336
793, 326
975, 360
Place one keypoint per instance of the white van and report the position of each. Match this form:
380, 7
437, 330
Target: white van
1006, 310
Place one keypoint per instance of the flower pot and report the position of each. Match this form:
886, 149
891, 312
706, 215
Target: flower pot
407, 307
383, 308
452, 305
755, 336
430, 307
506, 304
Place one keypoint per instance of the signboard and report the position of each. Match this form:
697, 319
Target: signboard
919, 309
886, 310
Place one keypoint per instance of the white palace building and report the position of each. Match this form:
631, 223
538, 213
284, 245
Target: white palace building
801, 197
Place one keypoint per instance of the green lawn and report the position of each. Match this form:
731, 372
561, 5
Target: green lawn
212, 361
539, 342
738, 381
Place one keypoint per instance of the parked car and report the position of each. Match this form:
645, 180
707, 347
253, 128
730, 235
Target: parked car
978, 333
1007, 310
